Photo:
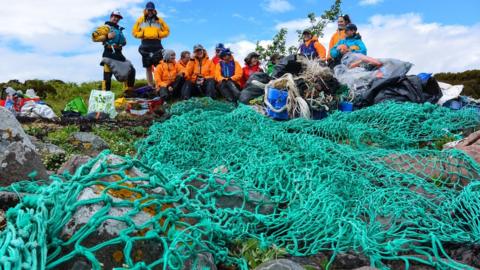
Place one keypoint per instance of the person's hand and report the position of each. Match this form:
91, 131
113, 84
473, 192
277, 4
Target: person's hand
343, 49
355, 48
111, 35
170, 89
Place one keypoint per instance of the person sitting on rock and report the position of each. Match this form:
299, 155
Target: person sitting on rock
228, 74
184, 60
312, 48
252, 65
199, 75
169, 76
274, 59
352, 43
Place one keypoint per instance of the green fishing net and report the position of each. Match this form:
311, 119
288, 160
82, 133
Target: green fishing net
370, 182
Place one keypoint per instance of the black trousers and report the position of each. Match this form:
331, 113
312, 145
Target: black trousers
229, 90
207, 89
151, 51
177, 86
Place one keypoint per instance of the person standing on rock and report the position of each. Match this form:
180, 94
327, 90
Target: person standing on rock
342, 22
113, 39
151, 29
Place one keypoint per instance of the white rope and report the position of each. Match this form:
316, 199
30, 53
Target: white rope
296, 105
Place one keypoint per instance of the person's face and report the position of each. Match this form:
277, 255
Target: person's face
150, 12
114, 19
349, 33
254, 61
199, 53
173, 57
227, 58
217, 52
307, 37
186, 58
341, 23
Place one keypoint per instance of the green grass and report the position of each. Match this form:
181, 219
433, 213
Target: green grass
254, 253
121, 141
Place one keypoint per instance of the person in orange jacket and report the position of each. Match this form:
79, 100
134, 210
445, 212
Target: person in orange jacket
312, 48
199, 75
339, 34
228, 74
184, 60
169, 76
151, 29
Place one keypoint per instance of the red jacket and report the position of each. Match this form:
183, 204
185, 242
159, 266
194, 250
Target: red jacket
248, 71
216, 60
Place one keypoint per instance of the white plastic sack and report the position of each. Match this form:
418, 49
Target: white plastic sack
449, 92
102, 101
34, 110
30, 93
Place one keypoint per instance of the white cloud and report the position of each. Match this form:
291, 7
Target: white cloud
28, 18
431, 47
370, 2
58, 45
277, 6
52, 40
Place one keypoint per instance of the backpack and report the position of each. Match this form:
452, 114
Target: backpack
101, 32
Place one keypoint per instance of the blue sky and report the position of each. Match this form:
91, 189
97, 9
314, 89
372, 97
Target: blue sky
229, 21
52, 40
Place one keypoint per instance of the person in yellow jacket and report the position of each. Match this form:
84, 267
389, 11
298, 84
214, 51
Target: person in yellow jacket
169, 76
228, 74
339, 34
312, 48
199, 75
151, 29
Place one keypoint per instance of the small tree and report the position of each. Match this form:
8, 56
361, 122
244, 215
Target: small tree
317, 28
278, 45
317, 25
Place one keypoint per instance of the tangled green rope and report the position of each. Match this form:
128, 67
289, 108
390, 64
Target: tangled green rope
365, 182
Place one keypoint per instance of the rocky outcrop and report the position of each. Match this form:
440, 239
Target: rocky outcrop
280, 264
18, 158
88, 143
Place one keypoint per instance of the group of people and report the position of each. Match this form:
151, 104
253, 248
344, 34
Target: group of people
195, 74
345, 39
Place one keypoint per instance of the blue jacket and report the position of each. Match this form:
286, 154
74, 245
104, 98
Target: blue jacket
355, 44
